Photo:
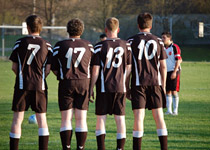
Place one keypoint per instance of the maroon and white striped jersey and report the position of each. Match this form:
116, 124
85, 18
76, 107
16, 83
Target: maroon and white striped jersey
174, 53
71, 59
147, 51
32, 53
112, 55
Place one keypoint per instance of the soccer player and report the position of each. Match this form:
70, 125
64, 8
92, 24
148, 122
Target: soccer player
148, 80
31, 59
173, 73
111, 65
71, 62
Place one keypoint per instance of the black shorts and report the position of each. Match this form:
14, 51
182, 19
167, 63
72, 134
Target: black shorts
73, 94
173, 85
150, 97
110, 103
22, 99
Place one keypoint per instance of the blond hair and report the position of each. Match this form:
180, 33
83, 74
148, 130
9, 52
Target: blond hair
112, 24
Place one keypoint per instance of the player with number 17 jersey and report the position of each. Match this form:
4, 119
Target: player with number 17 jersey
32, 53
72, 59
147, 50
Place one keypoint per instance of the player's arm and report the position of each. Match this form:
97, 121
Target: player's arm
177, 64
94, 77
47, 70
163, 72
15, 67
128, 70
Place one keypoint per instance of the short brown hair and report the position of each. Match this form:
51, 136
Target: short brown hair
112, 24
75, 27
144, 20
34, 23
168, 34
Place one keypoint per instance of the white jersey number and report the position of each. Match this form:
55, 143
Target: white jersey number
109, 57
36, 49
79, 58
144, 48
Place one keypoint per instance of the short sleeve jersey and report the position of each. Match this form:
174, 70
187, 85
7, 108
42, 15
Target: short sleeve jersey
174, 53
112, 55
71, 59
147, 50
31, 53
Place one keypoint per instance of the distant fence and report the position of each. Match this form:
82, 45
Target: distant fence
9, 34
184, 30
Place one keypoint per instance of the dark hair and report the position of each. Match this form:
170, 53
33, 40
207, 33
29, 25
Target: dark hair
34, 23
75, 27
168, 34
102, 36
112, 24
144, 20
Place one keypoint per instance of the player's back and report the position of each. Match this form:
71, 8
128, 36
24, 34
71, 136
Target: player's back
31, 53
147, 50
112, 55
72, 59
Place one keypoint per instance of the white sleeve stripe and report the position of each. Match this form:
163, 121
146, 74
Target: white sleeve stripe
16, 46
128, 44
97, 50
48, 44
178, 55
17, 41
55, 53
129, 48
50, 49
98, 46
57, 47
90, 45
92, 50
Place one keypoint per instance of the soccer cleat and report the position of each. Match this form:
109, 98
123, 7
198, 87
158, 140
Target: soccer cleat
175, 114
168, 113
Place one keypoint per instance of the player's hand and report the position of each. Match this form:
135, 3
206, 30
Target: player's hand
91, 94
173, 75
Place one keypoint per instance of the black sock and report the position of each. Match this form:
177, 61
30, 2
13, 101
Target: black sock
163, 142
66, 139
81, 138
120, 143
43, 142
137, 143
101, 141
14, 143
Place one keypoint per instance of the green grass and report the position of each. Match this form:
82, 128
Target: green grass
190, 130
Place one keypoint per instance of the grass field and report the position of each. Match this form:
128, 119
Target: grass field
190, 130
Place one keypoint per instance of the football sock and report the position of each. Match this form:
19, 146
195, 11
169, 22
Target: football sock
137, 137
43, 138
162, 135
14, 140
66, 135
169, 103
121, 141
175, 103
100, 137
81, 135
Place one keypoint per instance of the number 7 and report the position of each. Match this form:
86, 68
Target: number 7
36, 49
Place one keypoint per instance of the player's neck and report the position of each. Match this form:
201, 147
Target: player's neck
74, 37
34, 34
168, 44
145, 30
111, 35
